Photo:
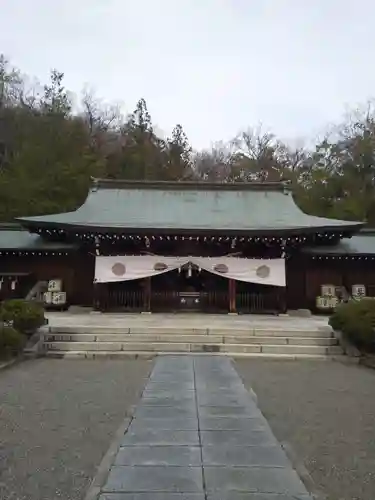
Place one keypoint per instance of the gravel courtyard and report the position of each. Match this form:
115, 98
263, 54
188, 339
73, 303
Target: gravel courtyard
326, 412
57, 420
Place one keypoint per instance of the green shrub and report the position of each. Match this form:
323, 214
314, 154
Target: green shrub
11, 342
356, 321
25, 316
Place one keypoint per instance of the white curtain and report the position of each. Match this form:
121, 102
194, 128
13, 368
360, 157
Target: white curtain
263, 271
129, 267
124, 268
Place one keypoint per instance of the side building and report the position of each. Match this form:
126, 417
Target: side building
182, 246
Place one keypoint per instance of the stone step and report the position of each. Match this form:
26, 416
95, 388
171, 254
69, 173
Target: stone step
257, 332
114, 330
150, 355
192, 347
177, 338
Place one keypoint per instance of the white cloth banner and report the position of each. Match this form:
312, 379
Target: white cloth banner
123, 268
110, 269
262, 271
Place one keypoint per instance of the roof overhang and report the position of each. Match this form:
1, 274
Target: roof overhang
37, 226
189, 208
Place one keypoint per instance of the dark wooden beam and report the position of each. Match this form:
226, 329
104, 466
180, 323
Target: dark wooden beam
232, 296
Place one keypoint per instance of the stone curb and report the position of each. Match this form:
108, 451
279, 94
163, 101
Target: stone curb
105, 465
102, 471
8, 364
250, 390
25, 356
302, 472
253, 395
367, 361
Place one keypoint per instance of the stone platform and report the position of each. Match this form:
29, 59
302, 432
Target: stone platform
118, 335
187, 320
198, 434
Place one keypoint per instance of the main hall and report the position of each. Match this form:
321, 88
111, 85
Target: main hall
185, 246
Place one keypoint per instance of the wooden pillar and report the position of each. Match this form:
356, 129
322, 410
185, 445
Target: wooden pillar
97, 297
283, 302
232, 296
147, 294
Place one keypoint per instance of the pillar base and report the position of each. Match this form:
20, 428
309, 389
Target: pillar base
299, 313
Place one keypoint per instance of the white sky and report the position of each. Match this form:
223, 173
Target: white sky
215, 66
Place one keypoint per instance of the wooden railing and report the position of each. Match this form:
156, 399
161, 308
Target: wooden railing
164, 301
215, 301
169, 301
258, 302
122, 300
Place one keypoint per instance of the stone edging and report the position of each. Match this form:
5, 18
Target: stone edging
8, 364
349, 349
353, 354
102, 471
367, 361
303, 473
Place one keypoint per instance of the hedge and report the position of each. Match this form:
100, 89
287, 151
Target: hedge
11, 342
356, 321
25, 316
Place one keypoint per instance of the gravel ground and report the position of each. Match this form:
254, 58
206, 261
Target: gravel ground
57, 420
326, 412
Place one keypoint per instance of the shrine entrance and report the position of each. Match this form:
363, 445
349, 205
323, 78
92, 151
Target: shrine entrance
200, 292
189, 289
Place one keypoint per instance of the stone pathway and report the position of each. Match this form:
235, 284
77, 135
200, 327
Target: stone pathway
197, 434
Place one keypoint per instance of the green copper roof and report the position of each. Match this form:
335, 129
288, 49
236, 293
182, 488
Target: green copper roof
244, 208
362, 244
18, 239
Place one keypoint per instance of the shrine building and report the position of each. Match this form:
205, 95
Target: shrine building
182, 246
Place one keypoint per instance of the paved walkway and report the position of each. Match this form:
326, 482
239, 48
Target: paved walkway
197, 434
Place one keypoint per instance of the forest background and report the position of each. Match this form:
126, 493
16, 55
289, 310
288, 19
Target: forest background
50, 148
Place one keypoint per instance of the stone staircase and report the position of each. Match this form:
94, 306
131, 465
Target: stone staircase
148, 340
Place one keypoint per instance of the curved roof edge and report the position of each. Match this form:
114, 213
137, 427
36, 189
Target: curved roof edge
345, 229
135, 207
361, 244
18, 239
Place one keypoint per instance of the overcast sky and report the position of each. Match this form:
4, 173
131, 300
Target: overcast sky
215, 66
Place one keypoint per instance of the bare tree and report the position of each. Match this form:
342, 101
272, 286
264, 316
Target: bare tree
213, 164
255, 156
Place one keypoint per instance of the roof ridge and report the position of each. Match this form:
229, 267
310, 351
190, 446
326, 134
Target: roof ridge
100, 183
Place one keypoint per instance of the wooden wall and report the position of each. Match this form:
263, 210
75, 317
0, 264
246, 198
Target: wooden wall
75, 270
295, 283
306, 275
